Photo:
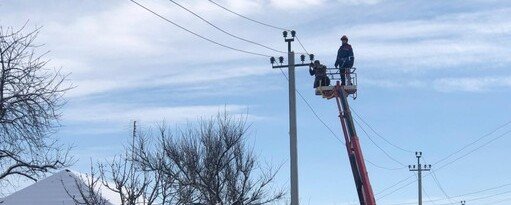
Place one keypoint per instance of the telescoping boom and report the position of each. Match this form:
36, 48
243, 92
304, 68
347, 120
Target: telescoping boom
341, 93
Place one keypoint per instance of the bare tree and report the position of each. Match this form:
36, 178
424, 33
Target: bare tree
88, 188
132, 182
124, 178
210, 164
30, 104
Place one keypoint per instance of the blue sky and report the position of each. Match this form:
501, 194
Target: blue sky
433, 76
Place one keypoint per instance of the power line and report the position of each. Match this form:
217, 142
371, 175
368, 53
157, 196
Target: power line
427, 195
502, 200
387, 168
196, 34
303, 47
477, 148
392, 186
486, 197
402, 187
488, 134
440, 187
250, 19
381, 149
259, 22
460, 195
437, 182
472, 143
378, 134
223, 30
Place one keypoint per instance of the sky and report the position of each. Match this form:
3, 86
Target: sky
433, 76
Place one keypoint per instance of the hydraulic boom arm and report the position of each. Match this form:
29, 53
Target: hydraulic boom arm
358, 167
364, 189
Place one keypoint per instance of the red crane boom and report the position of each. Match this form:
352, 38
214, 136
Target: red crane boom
358, 167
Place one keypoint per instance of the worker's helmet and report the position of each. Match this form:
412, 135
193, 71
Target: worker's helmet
344, 38
316, 62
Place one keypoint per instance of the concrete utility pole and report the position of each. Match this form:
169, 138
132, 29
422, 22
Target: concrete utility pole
419, 169
293, 143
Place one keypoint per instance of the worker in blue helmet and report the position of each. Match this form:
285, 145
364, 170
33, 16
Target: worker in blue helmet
345, 59
319, 71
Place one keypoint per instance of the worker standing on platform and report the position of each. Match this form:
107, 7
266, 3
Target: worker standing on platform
345, 59
321, 79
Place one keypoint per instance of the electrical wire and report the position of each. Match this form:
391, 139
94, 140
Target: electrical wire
250, 19
392, 186
196, 34
378, 146
223, 30
502, 200
477, 148
460, 195
485, 197
259, 22
451, 162
437, 182
395, 190
378, 134
473, 142
440, 186
427, 195
303, 47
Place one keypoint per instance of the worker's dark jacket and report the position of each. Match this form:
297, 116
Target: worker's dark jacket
321, 78
345, 56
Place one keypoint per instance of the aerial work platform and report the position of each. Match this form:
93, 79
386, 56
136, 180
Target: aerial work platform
327, 91
331, 91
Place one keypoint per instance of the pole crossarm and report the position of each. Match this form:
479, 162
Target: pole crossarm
286, 66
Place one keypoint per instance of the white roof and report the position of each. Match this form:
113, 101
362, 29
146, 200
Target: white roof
51, 191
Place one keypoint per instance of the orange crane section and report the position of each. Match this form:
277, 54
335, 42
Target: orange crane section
341, 93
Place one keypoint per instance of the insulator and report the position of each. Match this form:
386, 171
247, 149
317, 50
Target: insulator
284, 34
281, 59
311, 57
272, 60
302, 57
293, 33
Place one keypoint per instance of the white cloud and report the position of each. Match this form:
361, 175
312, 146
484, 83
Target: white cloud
123, 46
453, 84
295, 4
360, 2
442, 42
307, 4
476, 84
183, 78
115, 113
